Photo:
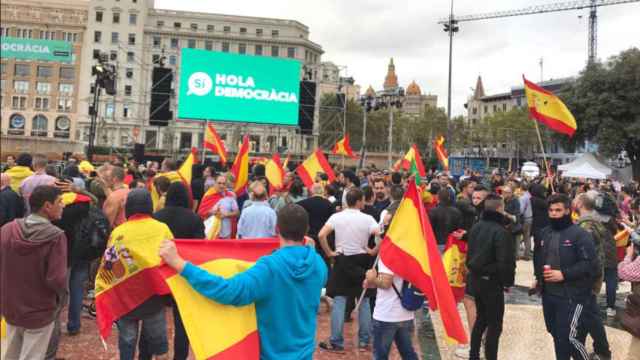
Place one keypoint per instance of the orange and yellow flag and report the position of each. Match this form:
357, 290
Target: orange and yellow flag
314, 164
548, 109
409, 250
213, 142
441, 152
343, 147
240, 168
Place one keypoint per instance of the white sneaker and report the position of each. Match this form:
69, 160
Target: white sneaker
611, 312
462, 352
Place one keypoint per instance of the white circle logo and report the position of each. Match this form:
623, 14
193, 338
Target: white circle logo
199, 84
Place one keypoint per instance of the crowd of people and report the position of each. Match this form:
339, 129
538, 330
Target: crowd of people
56, 221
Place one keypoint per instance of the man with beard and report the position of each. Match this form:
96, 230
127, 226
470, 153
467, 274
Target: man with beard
381, 197
566, 267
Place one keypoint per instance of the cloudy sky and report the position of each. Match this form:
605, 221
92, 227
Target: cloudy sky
363, 35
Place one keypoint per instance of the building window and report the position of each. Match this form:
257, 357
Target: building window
45, 71
159, 23
116, 18
127, 90
64, 105
242, 48
128, 73
495, 108
130, 56
150, 139
133, 19
275, 51
75, 37
97, 36
174, 43
65, 89
41, 103
157, 41
67, 73
185, 140
210, 28
125, 110
109, 107
243, 31
474, 110
99, 16
20, 86
504, 107
191, 43
225, 47
43, 87
486, 109
113, 55
115, 36
39, 125
16, 124
258, 49
208, 44
172, 60
275, 33
259, 32
2, 68
177, 25
226, 29
132, 39
63, 125
194, 26
291, 52
18, 102
155, 59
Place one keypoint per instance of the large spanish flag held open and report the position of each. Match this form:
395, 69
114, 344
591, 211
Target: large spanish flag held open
405, 162
274, 172
314, 164
409, 249
342, 147
183, 174
240, 168
441, 152
548, 109
213, 142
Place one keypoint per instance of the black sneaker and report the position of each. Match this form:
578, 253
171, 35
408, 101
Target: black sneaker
328, 346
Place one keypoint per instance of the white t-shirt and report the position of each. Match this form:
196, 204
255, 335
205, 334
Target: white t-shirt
352, 229
388, 306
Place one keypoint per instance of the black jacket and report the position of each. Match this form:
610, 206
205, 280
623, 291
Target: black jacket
468, 212
11, 206
539, 209
490, 249
445, 220
319, 210
72, 215
181, 220
578, 260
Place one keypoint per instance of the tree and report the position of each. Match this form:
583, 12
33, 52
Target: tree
605, 100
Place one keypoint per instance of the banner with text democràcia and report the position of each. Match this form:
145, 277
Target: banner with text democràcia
243, 88
36, 49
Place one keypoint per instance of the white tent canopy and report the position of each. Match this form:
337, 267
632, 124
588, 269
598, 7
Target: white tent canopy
586, 166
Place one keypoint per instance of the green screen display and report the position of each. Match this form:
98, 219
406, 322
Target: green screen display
229, 87
36, 49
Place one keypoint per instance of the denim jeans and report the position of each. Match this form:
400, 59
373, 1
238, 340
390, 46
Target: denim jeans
154, 333
385, 333
611, 279
337, 321
78, 276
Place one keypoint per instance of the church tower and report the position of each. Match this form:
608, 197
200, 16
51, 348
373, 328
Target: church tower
391, 80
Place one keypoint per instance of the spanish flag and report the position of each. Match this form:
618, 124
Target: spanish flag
548, 109
3, 328
86, 167
70, 198
240, 168
184, 175
209, 200
274, 172
286, 162
441, 152
213, 142
409, 250
315, 163
18, 174
454, 259
405, 162
131, 272
342, 147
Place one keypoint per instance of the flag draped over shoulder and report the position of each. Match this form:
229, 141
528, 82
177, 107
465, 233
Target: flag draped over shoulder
213, 142
274, 172
548, 109
131, 272
240, 168
183, 174
441, 152
454, 260
405, 162
342, 147
409, 250
314, 164
69, 198
209, 200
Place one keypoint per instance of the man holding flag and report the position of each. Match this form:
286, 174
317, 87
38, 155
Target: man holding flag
285, 287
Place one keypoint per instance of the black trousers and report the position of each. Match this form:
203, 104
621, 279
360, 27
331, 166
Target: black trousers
489, 296
592, 324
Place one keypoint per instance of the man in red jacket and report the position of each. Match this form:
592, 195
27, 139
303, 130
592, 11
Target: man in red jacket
33, 274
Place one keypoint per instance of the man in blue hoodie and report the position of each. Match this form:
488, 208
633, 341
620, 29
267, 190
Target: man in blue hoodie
285, 287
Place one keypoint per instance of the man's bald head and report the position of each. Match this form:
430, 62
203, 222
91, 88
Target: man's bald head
259, 191
5, 180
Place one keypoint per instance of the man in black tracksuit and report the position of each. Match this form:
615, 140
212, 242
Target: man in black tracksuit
491, 263
567, 268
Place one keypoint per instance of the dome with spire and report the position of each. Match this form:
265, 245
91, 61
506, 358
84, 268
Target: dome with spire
370, 92
413, 89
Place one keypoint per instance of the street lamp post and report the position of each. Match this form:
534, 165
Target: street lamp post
451, 27
367, 102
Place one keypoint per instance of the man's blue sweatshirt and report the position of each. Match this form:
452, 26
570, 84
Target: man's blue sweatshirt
285, 287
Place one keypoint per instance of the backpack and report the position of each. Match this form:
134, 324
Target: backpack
91, 235
411, 298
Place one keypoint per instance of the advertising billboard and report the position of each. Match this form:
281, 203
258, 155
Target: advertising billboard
36, 49
241, 88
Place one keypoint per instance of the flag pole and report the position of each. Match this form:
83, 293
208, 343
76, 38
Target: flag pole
204, 137
544, 155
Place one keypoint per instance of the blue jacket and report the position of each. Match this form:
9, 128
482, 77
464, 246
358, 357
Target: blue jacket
285, 287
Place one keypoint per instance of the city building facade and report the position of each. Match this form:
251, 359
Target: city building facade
331, 82
40, 96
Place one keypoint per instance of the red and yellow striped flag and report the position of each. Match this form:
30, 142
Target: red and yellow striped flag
183, 174
213, 142
409, 250
405, 162
240, 168
548, 109
454, 259
315, 163
441, 152
274, 172
69, 198
343, 147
